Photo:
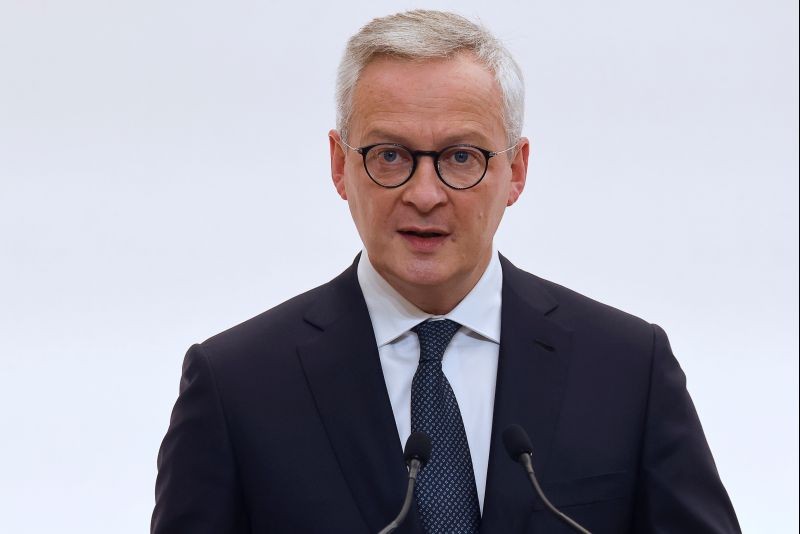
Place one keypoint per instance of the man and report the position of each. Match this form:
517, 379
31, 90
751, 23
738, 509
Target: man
294, 421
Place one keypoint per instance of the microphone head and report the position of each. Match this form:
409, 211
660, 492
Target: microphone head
517, 442
418, 447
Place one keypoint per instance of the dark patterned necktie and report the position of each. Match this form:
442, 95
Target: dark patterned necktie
446, 496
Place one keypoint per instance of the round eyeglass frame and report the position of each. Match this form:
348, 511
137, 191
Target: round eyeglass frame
435, 154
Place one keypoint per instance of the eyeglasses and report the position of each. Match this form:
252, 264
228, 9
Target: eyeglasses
458, 167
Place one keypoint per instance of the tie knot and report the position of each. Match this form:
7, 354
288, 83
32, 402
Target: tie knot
434, 336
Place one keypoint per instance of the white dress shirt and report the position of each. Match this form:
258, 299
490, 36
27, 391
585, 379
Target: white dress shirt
469, 363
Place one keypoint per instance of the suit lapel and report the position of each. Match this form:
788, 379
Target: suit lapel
531, 376
344, 374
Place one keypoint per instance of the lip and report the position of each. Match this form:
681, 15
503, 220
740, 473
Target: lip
423, 230
415, 238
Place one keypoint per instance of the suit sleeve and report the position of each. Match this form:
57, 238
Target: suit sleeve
197, 488
678, 489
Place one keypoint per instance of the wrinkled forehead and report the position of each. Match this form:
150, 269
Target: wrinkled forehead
434, 98
464, 69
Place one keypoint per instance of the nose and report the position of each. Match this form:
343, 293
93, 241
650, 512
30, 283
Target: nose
425, 191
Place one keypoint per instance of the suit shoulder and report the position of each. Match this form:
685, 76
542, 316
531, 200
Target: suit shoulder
276, 332
271, 334
585, 315
277, 318
583, 307
603, 335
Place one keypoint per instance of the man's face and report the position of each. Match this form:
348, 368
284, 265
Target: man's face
424, 236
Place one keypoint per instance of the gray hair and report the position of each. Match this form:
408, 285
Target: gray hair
423, 34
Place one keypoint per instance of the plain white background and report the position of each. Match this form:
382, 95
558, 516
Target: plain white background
164, 175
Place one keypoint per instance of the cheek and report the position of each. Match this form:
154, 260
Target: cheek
483, 216
370, 210
480, 212
499, 203
355, 195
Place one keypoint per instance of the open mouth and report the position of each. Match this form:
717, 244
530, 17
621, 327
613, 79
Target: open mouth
412, 233
424, 240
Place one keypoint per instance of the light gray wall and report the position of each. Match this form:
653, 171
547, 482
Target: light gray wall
164, 175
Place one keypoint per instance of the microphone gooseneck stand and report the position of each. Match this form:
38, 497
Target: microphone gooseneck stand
416, 454
519, 447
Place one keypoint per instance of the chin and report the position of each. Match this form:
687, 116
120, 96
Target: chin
426, 272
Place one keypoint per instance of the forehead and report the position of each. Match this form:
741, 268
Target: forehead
427, 102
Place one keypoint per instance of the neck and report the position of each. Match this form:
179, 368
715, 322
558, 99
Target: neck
441, 298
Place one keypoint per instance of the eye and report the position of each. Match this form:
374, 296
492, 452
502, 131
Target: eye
388, 156
461, 156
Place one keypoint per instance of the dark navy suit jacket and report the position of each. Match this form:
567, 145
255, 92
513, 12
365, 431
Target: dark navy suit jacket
283, 424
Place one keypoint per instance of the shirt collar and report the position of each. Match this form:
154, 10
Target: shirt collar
392, 315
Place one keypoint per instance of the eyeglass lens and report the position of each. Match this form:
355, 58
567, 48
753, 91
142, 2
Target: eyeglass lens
459, 166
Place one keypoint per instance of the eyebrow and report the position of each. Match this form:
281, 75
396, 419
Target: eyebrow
466, 137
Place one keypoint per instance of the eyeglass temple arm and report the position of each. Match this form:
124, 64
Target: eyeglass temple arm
350, 147
493, 154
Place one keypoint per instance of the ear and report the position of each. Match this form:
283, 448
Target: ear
519, 170
337, 163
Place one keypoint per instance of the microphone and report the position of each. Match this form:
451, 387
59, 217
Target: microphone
518, 445
416, 454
